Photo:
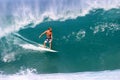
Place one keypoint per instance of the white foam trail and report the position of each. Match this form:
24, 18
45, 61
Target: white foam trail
30, 75
31, 47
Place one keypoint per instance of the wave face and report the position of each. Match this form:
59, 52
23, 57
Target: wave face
85, 34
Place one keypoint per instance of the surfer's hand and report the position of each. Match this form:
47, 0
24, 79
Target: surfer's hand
40, 36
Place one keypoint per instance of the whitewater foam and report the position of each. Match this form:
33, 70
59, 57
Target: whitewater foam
29, 74
110, 27
9, 57
31, 47
25, 12
77, 36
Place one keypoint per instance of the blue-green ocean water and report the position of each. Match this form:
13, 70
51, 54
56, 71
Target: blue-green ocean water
86, 45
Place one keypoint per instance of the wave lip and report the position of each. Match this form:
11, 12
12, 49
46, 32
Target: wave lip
25, 12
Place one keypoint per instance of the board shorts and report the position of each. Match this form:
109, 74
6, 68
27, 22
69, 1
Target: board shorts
48, 40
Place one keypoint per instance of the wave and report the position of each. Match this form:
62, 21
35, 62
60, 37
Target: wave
29, 74
90, 42
21, 13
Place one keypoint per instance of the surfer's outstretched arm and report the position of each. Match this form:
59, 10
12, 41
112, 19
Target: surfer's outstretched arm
42, 34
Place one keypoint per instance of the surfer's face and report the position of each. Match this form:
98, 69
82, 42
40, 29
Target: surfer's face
50, 29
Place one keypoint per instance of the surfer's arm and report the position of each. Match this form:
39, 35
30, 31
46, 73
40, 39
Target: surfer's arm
52, 37
42, 34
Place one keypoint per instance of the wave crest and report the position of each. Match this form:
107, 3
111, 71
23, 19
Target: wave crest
25, 12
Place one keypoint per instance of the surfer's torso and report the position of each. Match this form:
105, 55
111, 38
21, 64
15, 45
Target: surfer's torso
49, 34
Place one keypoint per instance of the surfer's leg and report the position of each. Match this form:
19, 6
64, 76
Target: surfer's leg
45, 43
50, 43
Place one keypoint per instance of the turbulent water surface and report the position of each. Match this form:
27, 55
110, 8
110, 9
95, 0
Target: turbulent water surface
86, 35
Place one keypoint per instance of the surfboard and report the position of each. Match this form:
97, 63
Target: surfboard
46, 49
37, 48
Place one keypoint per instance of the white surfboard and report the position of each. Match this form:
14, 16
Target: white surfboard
38, 48
46, 49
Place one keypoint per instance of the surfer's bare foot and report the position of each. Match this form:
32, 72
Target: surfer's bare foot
43, 46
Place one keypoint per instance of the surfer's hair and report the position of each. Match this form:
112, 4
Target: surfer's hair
49, 28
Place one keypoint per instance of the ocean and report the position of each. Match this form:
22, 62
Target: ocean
86, 34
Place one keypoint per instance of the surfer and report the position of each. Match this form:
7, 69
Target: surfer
48, 37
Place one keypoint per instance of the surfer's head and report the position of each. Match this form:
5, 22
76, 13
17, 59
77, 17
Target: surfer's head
50, 28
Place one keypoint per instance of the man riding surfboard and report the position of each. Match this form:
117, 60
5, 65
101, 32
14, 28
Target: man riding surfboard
48, 37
